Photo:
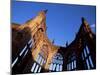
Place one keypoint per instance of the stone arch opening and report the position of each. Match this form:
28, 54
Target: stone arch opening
57, 63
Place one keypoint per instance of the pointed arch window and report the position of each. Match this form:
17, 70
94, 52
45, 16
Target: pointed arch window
57, 63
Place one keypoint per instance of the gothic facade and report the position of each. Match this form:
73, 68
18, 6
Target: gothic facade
33, 52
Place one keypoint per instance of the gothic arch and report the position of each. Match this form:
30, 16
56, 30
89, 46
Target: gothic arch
57, 63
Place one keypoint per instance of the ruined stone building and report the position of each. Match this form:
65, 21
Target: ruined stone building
33, 52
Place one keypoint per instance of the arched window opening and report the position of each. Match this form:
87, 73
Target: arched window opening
57, 62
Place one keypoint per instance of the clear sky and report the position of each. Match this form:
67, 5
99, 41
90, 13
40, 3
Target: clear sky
63, 20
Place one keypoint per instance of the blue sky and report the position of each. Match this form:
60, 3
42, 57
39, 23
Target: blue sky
63, 20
